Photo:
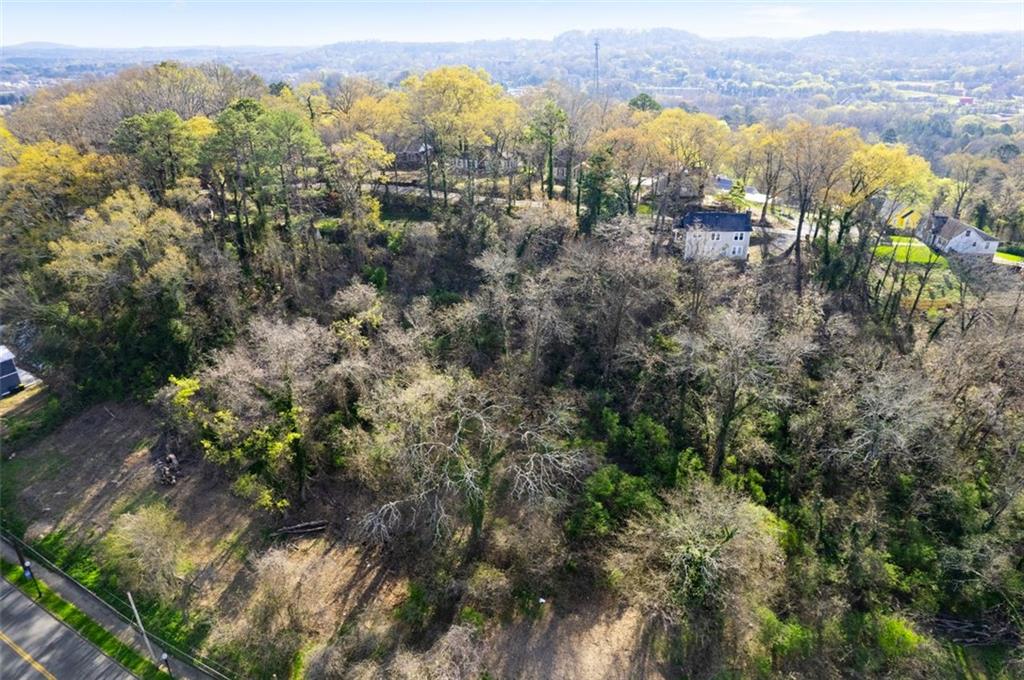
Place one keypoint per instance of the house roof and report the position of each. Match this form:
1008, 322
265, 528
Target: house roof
716, 220
950, 227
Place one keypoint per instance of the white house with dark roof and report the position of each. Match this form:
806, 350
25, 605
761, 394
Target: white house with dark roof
715, 234
949, 235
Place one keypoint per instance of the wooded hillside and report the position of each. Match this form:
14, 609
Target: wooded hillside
386, 308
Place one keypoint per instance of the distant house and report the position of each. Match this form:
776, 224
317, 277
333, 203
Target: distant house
714, 234
949, 235
899, 215
469, 164
9, 378
412, 156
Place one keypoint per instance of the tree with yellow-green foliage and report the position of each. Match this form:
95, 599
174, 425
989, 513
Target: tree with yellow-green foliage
42, 188
881, 170
454, 110
634, 159
10, 147
761, 155
691, 148
112, 306
359, 160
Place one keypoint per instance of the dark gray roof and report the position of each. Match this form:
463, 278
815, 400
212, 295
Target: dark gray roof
716, 220
949, 227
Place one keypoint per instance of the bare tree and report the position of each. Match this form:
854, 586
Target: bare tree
813, 157
449, 446
613, 292
891, 415
739, 359
966, 170
284, 610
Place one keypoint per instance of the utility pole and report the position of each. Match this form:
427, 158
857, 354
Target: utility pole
597, 66
138, 620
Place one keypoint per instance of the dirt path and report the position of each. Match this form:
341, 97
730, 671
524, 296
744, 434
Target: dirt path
594, 641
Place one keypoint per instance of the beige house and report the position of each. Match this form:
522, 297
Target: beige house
714, 235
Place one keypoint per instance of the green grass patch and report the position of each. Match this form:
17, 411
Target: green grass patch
76, 619
34, 419
1009, 257
297, 670
906, 240
328, 224
78, 560
912, 253
146, 497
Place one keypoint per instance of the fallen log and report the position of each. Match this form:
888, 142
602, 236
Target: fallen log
302, 528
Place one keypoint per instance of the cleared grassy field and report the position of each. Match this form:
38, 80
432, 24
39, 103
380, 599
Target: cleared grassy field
1009, 257
941, 286
909, 250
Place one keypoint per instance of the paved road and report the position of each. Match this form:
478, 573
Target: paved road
36, 646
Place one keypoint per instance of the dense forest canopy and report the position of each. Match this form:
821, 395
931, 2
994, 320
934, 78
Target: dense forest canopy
461, 316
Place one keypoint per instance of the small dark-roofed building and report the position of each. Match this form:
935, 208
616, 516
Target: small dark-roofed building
715, 234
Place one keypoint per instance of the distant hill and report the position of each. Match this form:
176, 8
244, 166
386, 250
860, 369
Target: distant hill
840, 64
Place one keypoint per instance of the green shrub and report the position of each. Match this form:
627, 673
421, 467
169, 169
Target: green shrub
472, 617
417, 609
489, 588
444, 298
146, 550
378, 276
785, 640
748, 481
527, 603
645, 443
896, 637
610, 496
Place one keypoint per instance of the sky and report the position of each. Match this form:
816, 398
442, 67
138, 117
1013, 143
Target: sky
153, 23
